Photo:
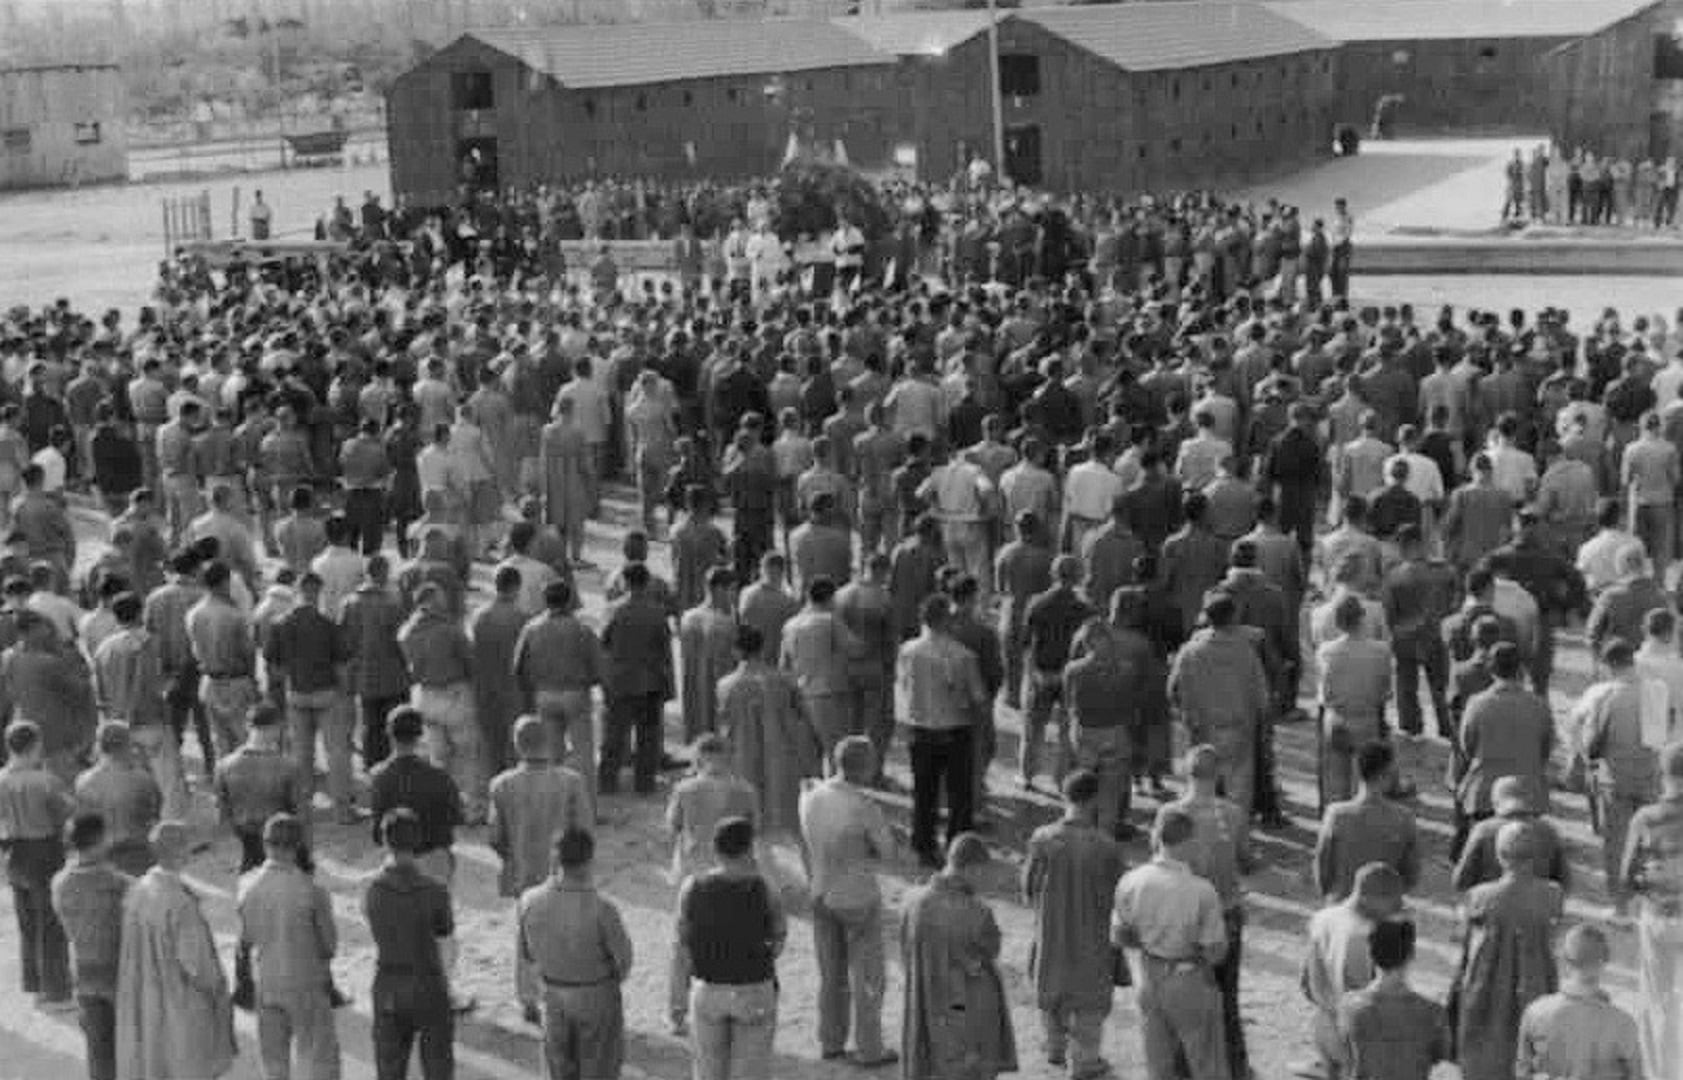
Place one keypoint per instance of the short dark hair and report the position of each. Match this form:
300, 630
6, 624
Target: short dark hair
574, 848
733, 837
127, 608
404, 724
1374, 759
821, 590
1081, 787
1391, 944
557, 595
749, 640
507, 580
1174, 826
84, 831
1505, 661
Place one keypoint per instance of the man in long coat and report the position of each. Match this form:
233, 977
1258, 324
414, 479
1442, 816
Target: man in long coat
174, 1014
1070, 879
706, 640
956, 1021
495, 630
568, 475
776, 748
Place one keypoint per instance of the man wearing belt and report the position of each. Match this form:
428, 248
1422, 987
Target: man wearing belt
574, 939
408, 914
234, 539
557, 661
1049, 627
34, 805
216, 458
940, 697
165, 619
129, 686
865, 607
730, 923
958, 493
174, 452
149, 403
306, 648
1220, 853
406, 781
375, 672
440, 660
1355, 686
1090, 492
88, 899
847, 835
1172, 919
286, 920
637, 641
819, 651
1070, 880
364, 472
219, 635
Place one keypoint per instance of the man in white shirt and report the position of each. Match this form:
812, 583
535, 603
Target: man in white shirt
1425, 479
847, 243
340, 566
959, 493
1090, 492
1200, 457
1514, 470
1658, 662
847, 835
1599, 556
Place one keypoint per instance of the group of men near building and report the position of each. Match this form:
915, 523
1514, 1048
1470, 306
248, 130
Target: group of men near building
1154, 512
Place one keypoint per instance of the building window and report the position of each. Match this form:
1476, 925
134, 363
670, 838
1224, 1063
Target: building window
1174, 88
1401, 57
1174, 145
590, 107
1235, 80
689, 98
642, 103
472, 91
1487, 53
1019, 75
88, 134
811, 85
16, 140
1144, 151
734, 96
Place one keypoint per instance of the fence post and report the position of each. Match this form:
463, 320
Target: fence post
168, 248
206, 231
234, 215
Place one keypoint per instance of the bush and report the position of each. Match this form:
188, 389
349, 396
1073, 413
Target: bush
810, 193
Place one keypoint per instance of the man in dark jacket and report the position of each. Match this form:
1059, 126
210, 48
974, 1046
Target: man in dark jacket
638, 641
1552, 581
409, 918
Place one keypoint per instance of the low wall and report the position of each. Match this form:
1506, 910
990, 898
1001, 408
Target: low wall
1395, 257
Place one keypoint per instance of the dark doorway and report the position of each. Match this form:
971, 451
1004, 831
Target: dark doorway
476, 163
1022, 154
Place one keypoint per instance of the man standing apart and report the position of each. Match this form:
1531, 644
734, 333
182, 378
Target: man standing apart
174, 1014
440, 661
1355, 687
531, 804
1388, 1030
305, 647
819, 651
637, 641
957, 1022
846, 835
88, 899
1218, 683
575, 941
1220, 853
1609, 724
940, 697
1172, 919
34, 805
730, 924
408, 914
557, 661
286, 919
1070, 880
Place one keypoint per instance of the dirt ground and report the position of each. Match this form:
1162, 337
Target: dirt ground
494, 1044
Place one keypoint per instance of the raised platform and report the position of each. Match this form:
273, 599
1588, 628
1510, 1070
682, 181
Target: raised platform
1393, 255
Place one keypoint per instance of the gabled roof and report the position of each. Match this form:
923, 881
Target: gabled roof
1177, 34
594, 57
916, 33
1443, 20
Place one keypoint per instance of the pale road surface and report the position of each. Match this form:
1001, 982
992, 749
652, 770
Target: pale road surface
493, 1044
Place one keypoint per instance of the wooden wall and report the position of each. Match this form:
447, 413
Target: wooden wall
1602, 94
62, 125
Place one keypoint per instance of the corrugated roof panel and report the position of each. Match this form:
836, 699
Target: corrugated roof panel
917, 33
1180, 34
1445, 20
588, 57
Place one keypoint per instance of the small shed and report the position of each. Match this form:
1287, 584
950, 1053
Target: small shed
62, 125
1468, 66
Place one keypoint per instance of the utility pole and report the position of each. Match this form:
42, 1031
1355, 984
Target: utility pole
996, 94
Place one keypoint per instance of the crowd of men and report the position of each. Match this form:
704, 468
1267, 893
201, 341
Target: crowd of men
1582, 188
1143, 508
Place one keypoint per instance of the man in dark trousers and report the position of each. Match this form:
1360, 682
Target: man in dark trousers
409, 917
638, 642
407, 781
1295, 467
